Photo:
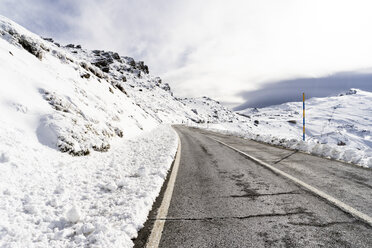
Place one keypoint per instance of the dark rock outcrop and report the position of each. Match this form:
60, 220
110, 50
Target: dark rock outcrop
31, 47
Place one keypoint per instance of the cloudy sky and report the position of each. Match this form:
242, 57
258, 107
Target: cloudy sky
229, 50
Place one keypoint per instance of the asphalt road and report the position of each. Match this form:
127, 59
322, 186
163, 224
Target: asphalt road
223, 199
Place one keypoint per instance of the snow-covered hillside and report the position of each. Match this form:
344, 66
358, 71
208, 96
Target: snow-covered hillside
84, 98
107, 115
344, 120
210, 111
337, 127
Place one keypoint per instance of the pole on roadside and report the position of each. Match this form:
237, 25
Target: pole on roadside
303, 116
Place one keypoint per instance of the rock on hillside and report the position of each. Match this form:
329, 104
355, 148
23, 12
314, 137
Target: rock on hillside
92, 96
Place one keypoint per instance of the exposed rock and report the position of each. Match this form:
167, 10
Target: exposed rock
44, 48
31, 47
97, 72
116, 56
341, 143
119, 132
351, 92
120, 87
165, 87
84, 65
140, 65
85, 75
131, 62
158, 81
104, 60
105, 69
102, 148
69, 148
48, 39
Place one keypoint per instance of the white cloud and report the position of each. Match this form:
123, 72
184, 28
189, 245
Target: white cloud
220, 48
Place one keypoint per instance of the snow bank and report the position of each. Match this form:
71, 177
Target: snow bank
349, 155
50, 199
337, 127
55, 98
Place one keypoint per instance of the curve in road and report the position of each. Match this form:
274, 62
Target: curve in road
223, 199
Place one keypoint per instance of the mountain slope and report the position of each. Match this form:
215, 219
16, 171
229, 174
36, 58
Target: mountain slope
92, 95
68, 99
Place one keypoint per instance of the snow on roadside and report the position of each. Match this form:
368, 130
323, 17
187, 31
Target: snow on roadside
349, 155
51, 199
338, 127
56, 98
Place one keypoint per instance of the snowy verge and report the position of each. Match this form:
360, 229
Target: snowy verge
337, 127
344, 154
51, 199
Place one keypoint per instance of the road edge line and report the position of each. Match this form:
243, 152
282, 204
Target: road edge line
346, 208
157, 230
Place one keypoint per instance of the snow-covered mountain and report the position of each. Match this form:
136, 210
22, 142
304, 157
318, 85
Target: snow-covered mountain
86, 142
76, 99
85, 145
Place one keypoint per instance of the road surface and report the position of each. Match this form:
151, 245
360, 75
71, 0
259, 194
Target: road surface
223, 199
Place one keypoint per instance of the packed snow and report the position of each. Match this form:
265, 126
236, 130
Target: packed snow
86, 141
52, 199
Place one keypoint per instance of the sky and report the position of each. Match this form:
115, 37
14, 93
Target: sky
290, 90
228, 50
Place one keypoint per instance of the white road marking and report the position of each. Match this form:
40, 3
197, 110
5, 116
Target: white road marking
331, 199
157, 229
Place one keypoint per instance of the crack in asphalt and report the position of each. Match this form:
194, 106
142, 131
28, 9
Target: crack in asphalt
268, 194
234, 217
280, 160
